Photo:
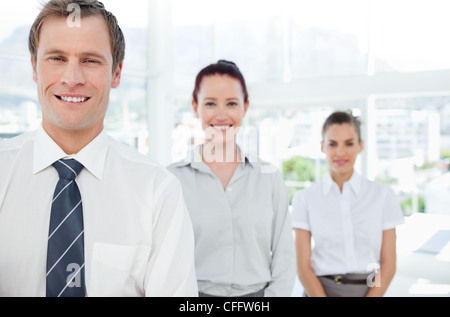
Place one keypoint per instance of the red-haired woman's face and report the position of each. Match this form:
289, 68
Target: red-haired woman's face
220, 107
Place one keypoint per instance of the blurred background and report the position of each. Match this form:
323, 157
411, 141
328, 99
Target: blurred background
387, 61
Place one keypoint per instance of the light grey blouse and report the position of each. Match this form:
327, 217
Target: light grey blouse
243, 235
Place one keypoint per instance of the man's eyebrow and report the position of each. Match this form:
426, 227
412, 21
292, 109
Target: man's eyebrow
54, 52
93, 54
85, 54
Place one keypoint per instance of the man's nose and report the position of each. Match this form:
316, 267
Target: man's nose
73, 74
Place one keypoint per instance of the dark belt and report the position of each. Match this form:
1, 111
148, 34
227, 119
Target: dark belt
342, 279
259, 293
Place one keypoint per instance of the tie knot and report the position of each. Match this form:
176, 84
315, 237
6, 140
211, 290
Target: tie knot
68, 169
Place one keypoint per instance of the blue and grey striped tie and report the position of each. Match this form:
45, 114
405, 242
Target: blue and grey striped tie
65, 254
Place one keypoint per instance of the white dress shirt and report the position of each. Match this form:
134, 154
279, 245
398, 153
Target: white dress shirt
243, 235
347, 227
137, 231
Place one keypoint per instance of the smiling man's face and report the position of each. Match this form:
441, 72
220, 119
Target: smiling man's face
74, 75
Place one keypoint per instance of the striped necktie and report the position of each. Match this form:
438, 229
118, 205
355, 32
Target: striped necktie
65, 254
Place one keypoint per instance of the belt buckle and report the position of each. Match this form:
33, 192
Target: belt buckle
338, 279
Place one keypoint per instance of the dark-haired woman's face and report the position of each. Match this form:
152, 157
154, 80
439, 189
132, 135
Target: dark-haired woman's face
220, 107
341, 146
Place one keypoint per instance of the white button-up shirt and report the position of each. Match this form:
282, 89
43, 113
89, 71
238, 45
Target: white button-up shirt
347, 227
243, 235
137, 231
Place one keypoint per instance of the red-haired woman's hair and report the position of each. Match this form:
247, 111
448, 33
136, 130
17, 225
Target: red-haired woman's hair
222, 67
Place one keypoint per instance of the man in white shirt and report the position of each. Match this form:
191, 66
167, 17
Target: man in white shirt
138, 238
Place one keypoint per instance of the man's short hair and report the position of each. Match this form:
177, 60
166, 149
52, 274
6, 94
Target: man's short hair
59, 8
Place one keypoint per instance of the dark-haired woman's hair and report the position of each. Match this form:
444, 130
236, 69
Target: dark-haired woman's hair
222, 67
341, 117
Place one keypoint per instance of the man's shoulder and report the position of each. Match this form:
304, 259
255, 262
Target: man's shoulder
127, 152
129, 156
16, 142
12, 146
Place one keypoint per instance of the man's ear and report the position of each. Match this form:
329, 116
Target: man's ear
33, 64
116, 76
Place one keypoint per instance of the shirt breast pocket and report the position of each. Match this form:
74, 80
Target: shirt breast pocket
117, 270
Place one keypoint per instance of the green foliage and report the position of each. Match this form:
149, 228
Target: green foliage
407, 205
427, 166
445, 153
291, 192
386, 180
298, 169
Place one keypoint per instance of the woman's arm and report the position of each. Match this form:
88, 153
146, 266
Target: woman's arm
310, 282
282, 246
388, 260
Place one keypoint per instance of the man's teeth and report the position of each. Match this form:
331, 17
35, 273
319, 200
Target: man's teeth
74, 99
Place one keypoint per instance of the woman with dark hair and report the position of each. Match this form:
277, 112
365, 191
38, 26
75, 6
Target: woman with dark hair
239, 208
350, 220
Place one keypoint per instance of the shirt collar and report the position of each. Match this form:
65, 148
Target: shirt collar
92, 156
327, 182
354, 182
